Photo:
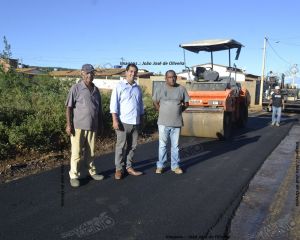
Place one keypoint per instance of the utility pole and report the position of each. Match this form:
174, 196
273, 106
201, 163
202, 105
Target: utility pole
263, 72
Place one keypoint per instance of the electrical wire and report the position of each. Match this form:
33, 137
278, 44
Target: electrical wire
284, 60
283, 41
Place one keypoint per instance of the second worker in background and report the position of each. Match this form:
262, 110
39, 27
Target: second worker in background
277, 102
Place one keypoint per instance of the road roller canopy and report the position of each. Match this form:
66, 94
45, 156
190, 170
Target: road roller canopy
211, 45
214, 45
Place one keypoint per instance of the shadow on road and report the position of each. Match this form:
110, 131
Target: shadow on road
196, 150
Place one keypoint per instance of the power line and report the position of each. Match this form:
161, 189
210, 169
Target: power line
289, 43
278, 54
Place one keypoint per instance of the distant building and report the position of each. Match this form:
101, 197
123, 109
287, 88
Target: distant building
105, 78
31, 71
105, 72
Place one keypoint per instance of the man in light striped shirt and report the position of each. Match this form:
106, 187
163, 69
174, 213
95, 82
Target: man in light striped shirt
127, 109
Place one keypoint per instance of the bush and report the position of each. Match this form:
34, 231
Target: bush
107, 119
32, 113
151, 115
4, 145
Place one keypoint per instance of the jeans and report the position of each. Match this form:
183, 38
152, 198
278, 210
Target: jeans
164, 134
276, 111
126, 137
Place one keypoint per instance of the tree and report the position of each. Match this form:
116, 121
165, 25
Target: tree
6, 53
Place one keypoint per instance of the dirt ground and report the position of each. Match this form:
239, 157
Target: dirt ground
35, 162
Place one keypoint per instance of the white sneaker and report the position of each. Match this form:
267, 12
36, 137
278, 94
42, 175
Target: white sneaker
273, 123
97, 177
277, 124
74, 182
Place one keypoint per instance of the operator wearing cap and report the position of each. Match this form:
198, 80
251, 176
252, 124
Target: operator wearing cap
277, 103
84, 120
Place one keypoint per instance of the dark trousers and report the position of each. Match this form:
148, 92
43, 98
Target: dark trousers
126, 145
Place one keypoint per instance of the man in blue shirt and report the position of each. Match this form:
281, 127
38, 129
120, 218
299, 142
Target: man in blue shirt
127, 109
84, 120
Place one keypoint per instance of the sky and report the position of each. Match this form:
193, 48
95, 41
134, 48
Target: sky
70, 33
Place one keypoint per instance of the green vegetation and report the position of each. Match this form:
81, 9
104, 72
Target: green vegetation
151, 115
32, 114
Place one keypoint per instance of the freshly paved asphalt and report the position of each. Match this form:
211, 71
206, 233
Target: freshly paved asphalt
199, 203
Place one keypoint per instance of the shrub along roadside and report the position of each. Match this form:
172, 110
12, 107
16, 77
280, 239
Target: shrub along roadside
32, 114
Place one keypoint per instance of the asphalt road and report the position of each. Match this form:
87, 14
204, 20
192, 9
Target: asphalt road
199, 203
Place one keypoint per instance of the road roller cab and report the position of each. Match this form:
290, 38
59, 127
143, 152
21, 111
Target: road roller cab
216, 102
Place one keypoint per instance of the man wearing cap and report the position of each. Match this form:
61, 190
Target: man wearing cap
127, 109
84, 122
277, 103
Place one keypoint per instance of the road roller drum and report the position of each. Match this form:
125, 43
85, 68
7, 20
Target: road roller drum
210, 124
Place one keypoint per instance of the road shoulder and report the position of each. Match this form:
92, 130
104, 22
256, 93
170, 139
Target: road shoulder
269, 208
